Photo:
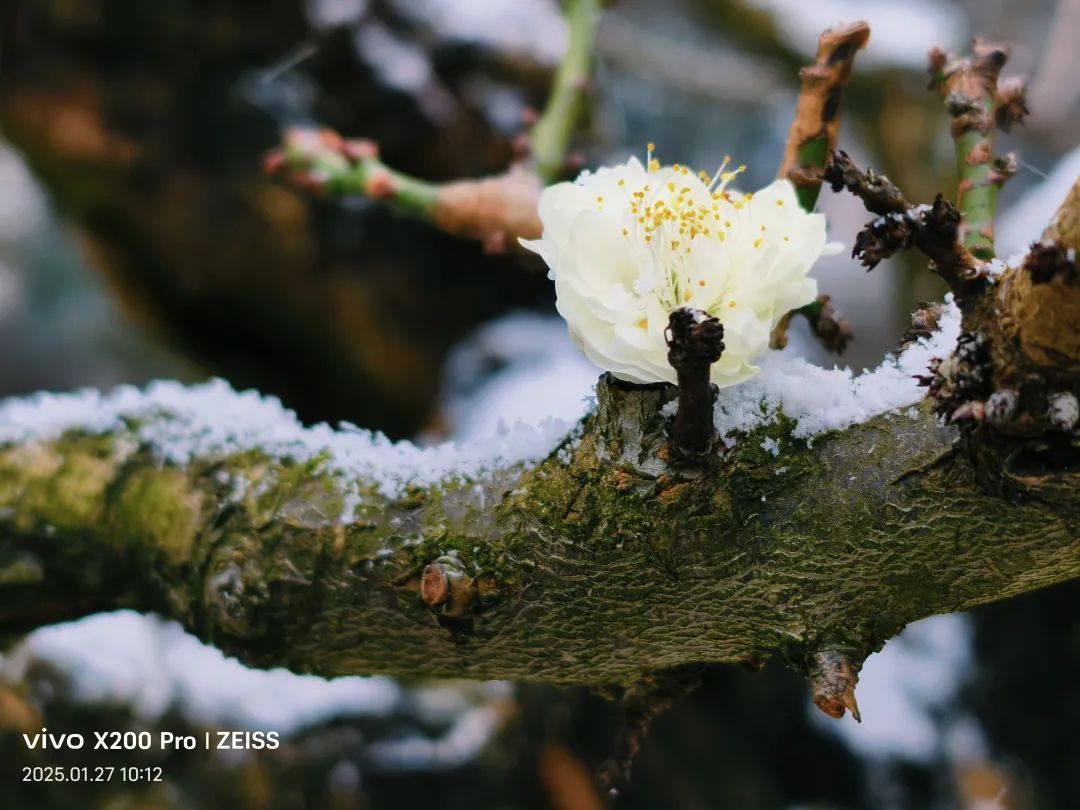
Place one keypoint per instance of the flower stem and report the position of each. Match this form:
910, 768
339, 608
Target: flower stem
551, 133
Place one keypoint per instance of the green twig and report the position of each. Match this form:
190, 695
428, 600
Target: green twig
496, 210
323, 161
969, 89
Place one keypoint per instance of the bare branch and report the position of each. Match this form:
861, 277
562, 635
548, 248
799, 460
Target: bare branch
816, 125
932, 229
695, 341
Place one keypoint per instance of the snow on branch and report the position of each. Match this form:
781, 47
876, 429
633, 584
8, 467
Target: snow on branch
181, 422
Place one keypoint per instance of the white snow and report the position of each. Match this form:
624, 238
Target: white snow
400, 64
901, 33
540, 374
821, 399
151, 665
211, 419
334, 13
472, 729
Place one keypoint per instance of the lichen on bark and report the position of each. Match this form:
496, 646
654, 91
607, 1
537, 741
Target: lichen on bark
603, 562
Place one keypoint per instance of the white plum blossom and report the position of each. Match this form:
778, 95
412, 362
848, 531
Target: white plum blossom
627, 245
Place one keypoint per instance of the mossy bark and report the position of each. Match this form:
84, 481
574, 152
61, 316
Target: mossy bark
595, 566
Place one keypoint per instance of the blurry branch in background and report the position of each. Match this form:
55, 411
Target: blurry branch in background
495, 210
550, 134
816, 125
977, 103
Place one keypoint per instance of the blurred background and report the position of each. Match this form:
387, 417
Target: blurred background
139, 240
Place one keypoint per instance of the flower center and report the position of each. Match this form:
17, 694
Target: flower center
669, 213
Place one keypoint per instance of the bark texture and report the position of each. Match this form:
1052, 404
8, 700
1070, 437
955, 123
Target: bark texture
596, 566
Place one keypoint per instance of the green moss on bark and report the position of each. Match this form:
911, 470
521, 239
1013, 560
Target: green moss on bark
600, 563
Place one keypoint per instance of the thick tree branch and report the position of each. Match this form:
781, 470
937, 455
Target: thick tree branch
595, 566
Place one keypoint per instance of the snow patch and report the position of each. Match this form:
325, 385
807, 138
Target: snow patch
521, 367
180, 422
335, 13
821, 399
152, 665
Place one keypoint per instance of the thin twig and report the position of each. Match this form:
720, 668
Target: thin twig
550, 134
816, 125
695, 341
932, 229
825, 322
